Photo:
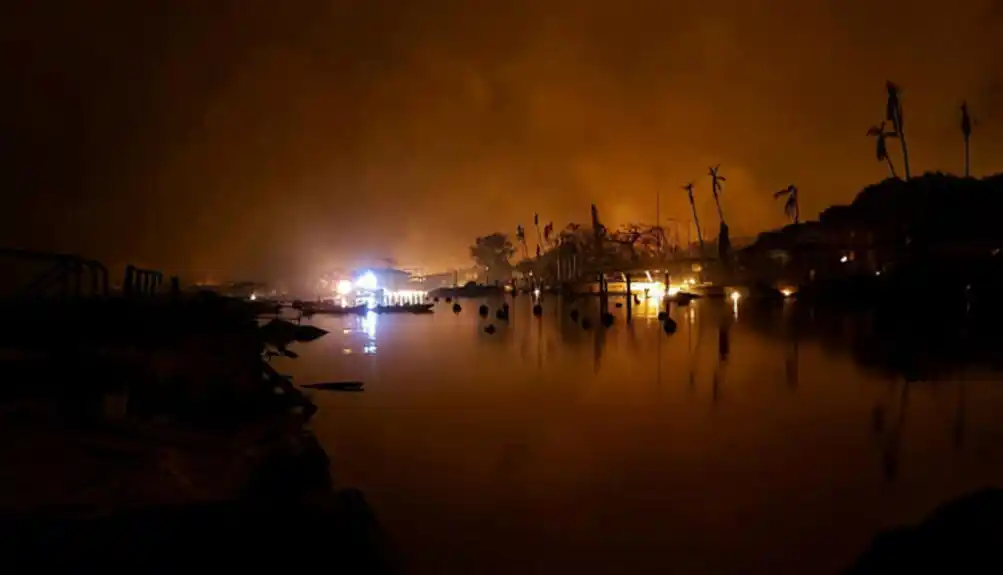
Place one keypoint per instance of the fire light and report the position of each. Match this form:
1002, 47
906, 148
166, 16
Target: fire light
344, 287
367, 281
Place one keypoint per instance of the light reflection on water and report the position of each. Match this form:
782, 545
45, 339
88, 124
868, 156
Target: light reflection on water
742, 443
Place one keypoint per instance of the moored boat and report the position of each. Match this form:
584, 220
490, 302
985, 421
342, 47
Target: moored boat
311, 308
406, 308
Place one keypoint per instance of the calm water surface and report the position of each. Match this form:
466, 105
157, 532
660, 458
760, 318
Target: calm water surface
738, 444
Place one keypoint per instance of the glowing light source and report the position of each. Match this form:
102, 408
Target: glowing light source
344, 287
788, 292
253, 297
735, 296
843, 259
367, 281
536, 292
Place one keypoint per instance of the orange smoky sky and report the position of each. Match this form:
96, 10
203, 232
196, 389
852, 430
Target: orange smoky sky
270, 139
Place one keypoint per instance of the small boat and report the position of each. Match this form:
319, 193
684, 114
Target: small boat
408, 308
332, 309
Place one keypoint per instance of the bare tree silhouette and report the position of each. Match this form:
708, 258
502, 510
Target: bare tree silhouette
696, 220
791, 207
880, 136
966, 131
893, 114
716, 178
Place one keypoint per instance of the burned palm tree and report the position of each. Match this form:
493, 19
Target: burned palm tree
881, 136
791, 207
893, 114
696, 220
539, 234
723, 238
966, 132
716, 178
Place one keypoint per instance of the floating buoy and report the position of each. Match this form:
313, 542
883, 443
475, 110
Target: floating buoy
483, 310
457, 308
586, 323
574, 315
489, 329
607, 319
669, 325
537, 310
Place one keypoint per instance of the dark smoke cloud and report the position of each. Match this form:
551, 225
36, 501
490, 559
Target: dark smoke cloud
256, 137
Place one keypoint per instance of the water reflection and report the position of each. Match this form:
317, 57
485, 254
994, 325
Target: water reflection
368, 326
580, 444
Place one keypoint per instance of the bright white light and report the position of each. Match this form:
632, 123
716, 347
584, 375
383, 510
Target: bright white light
344, 287
369, 324
788, 292
253, 297
877, 273
536, 292
735, 296
843, 259
367, 281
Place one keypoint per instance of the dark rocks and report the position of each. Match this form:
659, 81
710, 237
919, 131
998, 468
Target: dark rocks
483, 310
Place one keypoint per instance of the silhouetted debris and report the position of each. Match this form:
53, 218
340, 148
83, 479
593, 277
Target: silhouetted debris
669, 325
502, 314
483, 310
456, 307
662, 315
618, 304
574, 315
607, 319
586, 323
537, 310
489, 329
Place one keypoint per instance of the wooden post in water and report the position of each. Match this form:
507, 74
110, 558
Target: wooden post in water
667, 280
630, 297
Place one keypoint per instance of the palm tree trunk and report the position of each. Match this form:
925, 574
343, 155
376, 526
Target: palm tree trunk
967, 159
717, 202
891, 167
696, 221
905, 148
